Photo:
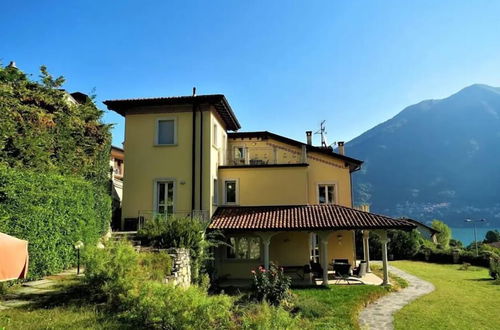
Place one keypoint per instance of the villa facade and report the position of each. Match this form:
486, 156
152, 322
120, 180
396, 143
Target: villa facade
274, 198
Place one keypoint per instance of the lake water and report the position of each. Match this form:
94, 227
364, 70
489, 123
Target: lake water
466, 235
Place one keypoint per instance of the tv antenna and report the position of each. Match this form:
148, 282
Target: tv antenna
322, 132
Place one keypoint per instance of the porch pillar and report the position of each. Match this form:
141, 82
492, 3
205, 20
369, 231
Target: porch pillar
324, 236
366, 249
384, 240
266, 241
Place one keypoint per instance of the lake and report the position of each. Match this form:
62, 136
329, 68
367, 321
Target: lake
466, 235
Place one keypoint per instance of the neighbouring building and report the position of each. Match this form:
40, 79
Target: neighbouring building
116, 163
274, 198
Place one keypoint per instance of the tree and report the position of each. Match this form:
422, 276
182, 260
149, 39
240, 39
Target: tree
403, 244
41, 129
444, 235
492, 236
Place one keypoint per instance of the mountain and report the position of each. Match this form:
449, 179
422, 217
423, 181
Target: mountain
438, 159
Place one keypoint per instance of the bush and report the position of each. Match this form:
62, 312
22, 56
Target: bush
180, 232
115, 270
51, 212
270, 285
163, 306
157, 266
444, 235
495, 268
111, 272
263, 316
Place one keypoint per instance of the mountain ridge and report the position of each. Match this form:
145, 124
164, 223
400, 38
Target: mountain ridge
434, 159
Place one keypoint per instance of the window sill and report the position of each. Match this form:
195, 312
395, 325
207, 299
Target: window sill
165, 145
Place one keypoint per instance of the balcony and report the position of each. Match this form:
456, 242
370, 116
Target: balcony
262, 156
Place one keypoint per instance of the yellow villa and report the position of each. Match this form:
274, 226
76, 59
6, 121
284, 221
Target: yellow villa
274, 198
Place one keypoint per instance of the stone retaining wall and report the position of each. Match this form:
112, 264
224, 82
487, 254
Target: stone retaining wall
181, 267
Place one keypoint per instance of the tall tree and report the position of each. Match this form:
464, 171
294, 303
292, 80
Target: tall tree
444, 235
41, 129
492, 236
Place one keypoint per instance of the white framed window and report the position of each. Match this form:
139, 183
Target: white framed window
215, 137
164, 191
230, 191
243, 248
166, 132
240, 155
326, 193
215, 198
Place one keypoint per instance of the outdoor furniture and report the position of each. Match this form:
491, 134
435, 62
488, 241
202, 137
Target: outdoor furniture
361, 270
298, 271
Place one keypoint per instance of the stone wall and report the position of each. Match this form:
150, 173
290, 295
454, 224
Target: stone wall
181, 267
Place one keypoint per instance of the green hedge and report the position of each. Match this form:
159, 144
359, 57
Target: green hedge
52, 212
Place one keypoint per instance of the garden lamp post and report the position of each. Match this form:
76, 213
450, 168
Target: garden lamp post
78, 247
475, 237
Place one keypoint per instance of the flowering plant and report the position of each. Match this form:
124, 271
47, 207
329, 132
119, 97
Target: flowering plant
270, 284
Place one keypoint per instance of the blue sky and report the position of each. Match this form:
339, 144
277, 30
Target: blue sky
283, 65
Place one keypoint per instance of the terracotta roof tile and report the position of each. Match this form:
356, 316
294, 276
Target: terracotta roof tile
301, 217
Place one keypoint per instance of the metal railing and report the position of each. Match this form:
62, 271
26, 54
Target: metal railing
245, 156
146, 215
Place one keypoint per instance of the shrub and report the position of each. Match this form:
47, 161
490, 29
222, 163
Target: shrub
264, 316
444, 235
180, 232
163, 306
115, 270
156, 266
111, 272
495, 268
51, 212
270, 285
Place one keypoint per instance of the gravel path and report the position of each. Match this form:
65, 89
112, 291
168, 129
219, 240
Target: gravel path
379, 314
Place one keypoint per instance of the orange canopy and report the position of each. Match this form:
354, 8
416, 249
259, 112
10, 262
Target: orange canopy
13, 258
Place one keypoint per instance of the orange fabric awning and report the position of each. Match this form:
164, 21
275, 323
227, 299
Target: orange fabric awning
13, 258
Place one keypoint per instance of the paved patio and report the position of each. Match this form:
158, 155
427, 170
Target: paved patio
368, 279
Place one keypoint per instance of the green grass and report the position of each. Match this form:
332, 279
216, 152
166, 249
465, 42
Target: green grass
463, 299
336, 307
69, 308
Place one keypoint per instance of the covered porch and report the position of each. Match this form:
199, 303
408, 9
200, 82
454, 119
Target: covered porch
315, 244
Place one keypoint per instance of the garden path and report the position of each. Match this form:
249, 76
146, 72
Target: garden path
29, 292
379, 314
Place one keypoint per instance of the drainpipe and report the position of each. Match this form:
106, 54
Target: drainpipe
201, 158
193, 154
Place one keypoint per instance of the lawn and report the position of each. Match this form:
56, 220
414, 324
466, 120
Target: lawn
463, 299
69, 308
337, 306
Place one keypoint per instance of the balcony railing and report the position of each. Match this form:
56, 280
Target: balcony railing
134, 224
245, 156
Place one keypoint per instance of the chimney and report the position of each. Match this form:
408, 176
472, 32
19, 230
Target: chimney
309, 137
194, 91
12, 64
341, 147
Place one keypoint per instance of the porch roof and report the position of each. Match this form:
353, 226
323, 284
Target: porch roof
301, 217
